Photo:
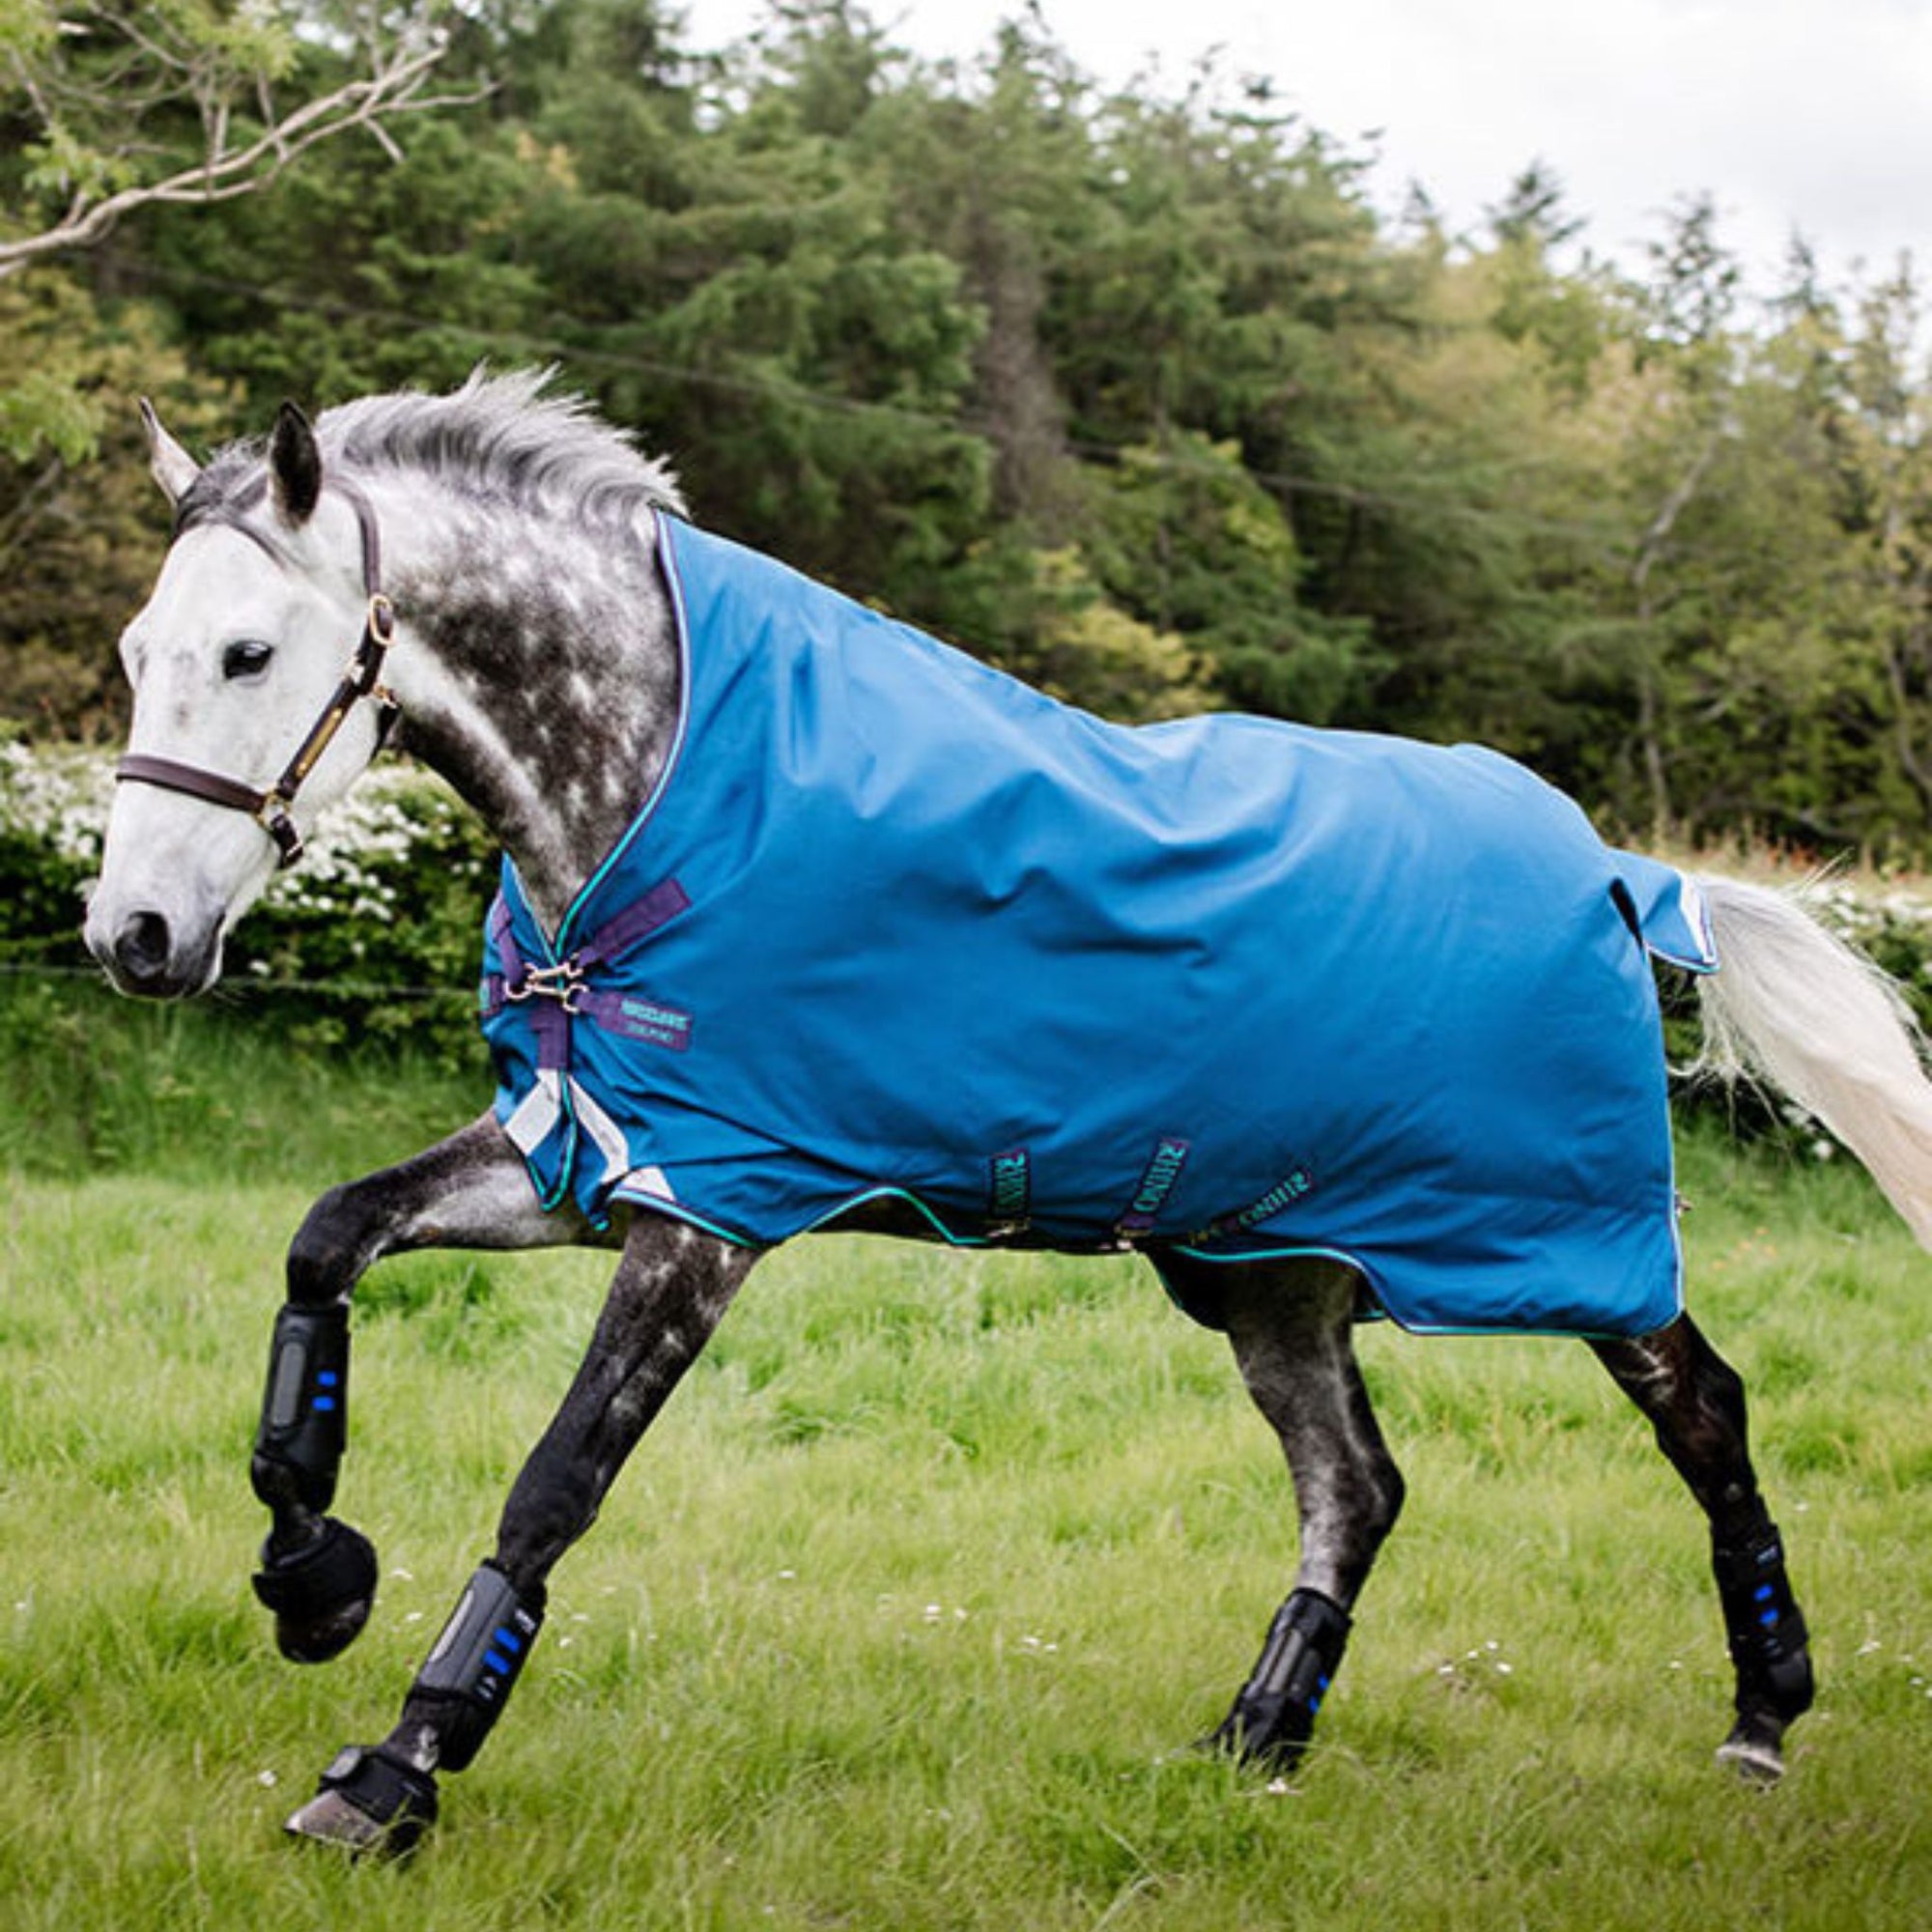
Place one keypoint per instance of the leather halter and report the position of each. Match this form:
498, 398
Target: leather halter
271, 809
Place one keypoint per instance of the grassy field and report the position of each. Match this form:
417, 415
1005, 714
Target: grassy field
905, 1615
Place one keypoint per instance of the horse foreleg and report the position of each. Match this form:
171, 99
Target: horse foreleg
1695, 1401
1290, 1325
317, 1575
673, 1285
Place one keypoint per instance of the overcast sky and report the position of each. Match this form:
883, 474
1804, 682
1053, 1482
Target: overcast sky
1807, 114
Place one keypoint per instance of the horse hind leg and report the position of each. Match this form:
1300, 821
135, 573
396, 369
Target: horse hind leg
1290, 1327
1695, 1401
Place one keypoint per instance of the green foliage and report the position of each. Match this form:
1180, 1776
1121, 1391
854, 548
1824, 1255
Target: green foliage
204, 1093
1187, 539
1040, 615
415, 286
1137, 395
81, 524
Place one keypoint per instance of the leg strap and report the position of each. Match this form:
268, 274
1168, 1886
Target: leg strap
304, 1409
1763, 1622
475, 1666
1275, 1715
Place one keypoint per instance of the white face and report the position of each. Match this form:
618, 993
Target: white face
232, 661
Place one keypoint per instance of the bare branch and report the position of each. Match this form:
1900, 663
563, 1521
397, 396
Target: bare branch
393, 85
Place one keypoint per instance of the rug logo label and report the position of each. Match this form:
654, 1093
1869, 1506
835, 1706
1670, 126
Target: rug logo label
1158, 1183
646, 1020
1010, 1189
1283, 1194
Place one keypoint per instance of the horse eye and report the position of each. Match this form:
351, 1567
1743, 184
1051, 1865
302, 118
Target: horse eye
247, 656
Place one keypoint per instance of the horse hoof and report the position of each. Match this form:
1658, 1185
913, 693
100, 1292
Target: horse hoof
322, 1594
329, 1819
369, 1805
1756, 1757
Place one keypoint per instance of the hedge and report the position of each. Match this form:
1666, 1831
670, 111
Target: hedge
374, 934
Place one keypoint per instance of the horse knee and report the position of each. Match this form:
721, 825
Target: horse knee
326, 1255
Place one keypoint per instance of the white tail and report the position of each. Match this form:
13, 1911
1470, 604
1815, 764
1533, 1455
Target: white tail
1823, 1024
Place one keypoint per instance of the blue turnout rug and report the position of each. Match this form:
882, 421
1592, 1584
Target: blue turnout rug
893, 923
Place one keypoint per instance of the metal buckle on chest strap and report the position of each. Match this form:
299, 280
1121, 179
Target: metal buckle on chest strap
562, 982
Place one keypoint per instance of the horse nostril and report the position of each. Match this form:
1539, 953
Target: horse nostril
141, 949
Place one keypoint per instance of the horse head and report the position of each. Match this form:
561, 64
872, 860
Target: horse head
241, 700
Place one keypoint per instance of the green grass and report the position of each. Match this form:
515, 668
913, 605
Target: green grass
242, 1083
907, 1610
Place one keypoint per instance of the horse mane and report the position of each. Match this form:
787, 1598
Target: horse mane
499, 437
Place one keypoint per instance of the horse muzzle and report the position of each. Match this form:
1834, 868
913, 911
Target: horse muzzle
150, 957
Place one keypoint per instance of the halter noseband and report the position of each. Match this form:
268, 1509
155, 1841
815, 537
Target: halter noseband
271, 809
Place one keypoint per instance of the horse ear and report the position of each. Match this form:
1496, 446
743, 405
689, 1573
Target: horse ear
174, 469
295, 465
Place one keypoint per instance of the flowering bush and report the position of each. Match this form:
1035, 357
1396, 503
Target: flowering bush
1889, 924
376, 932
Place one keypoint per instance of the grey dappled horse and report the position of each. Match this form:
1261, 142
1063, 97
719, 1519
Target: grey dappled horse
481, 559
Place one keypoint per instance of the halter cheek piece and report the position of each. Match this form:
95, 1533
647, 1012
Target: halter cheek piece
271, 809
